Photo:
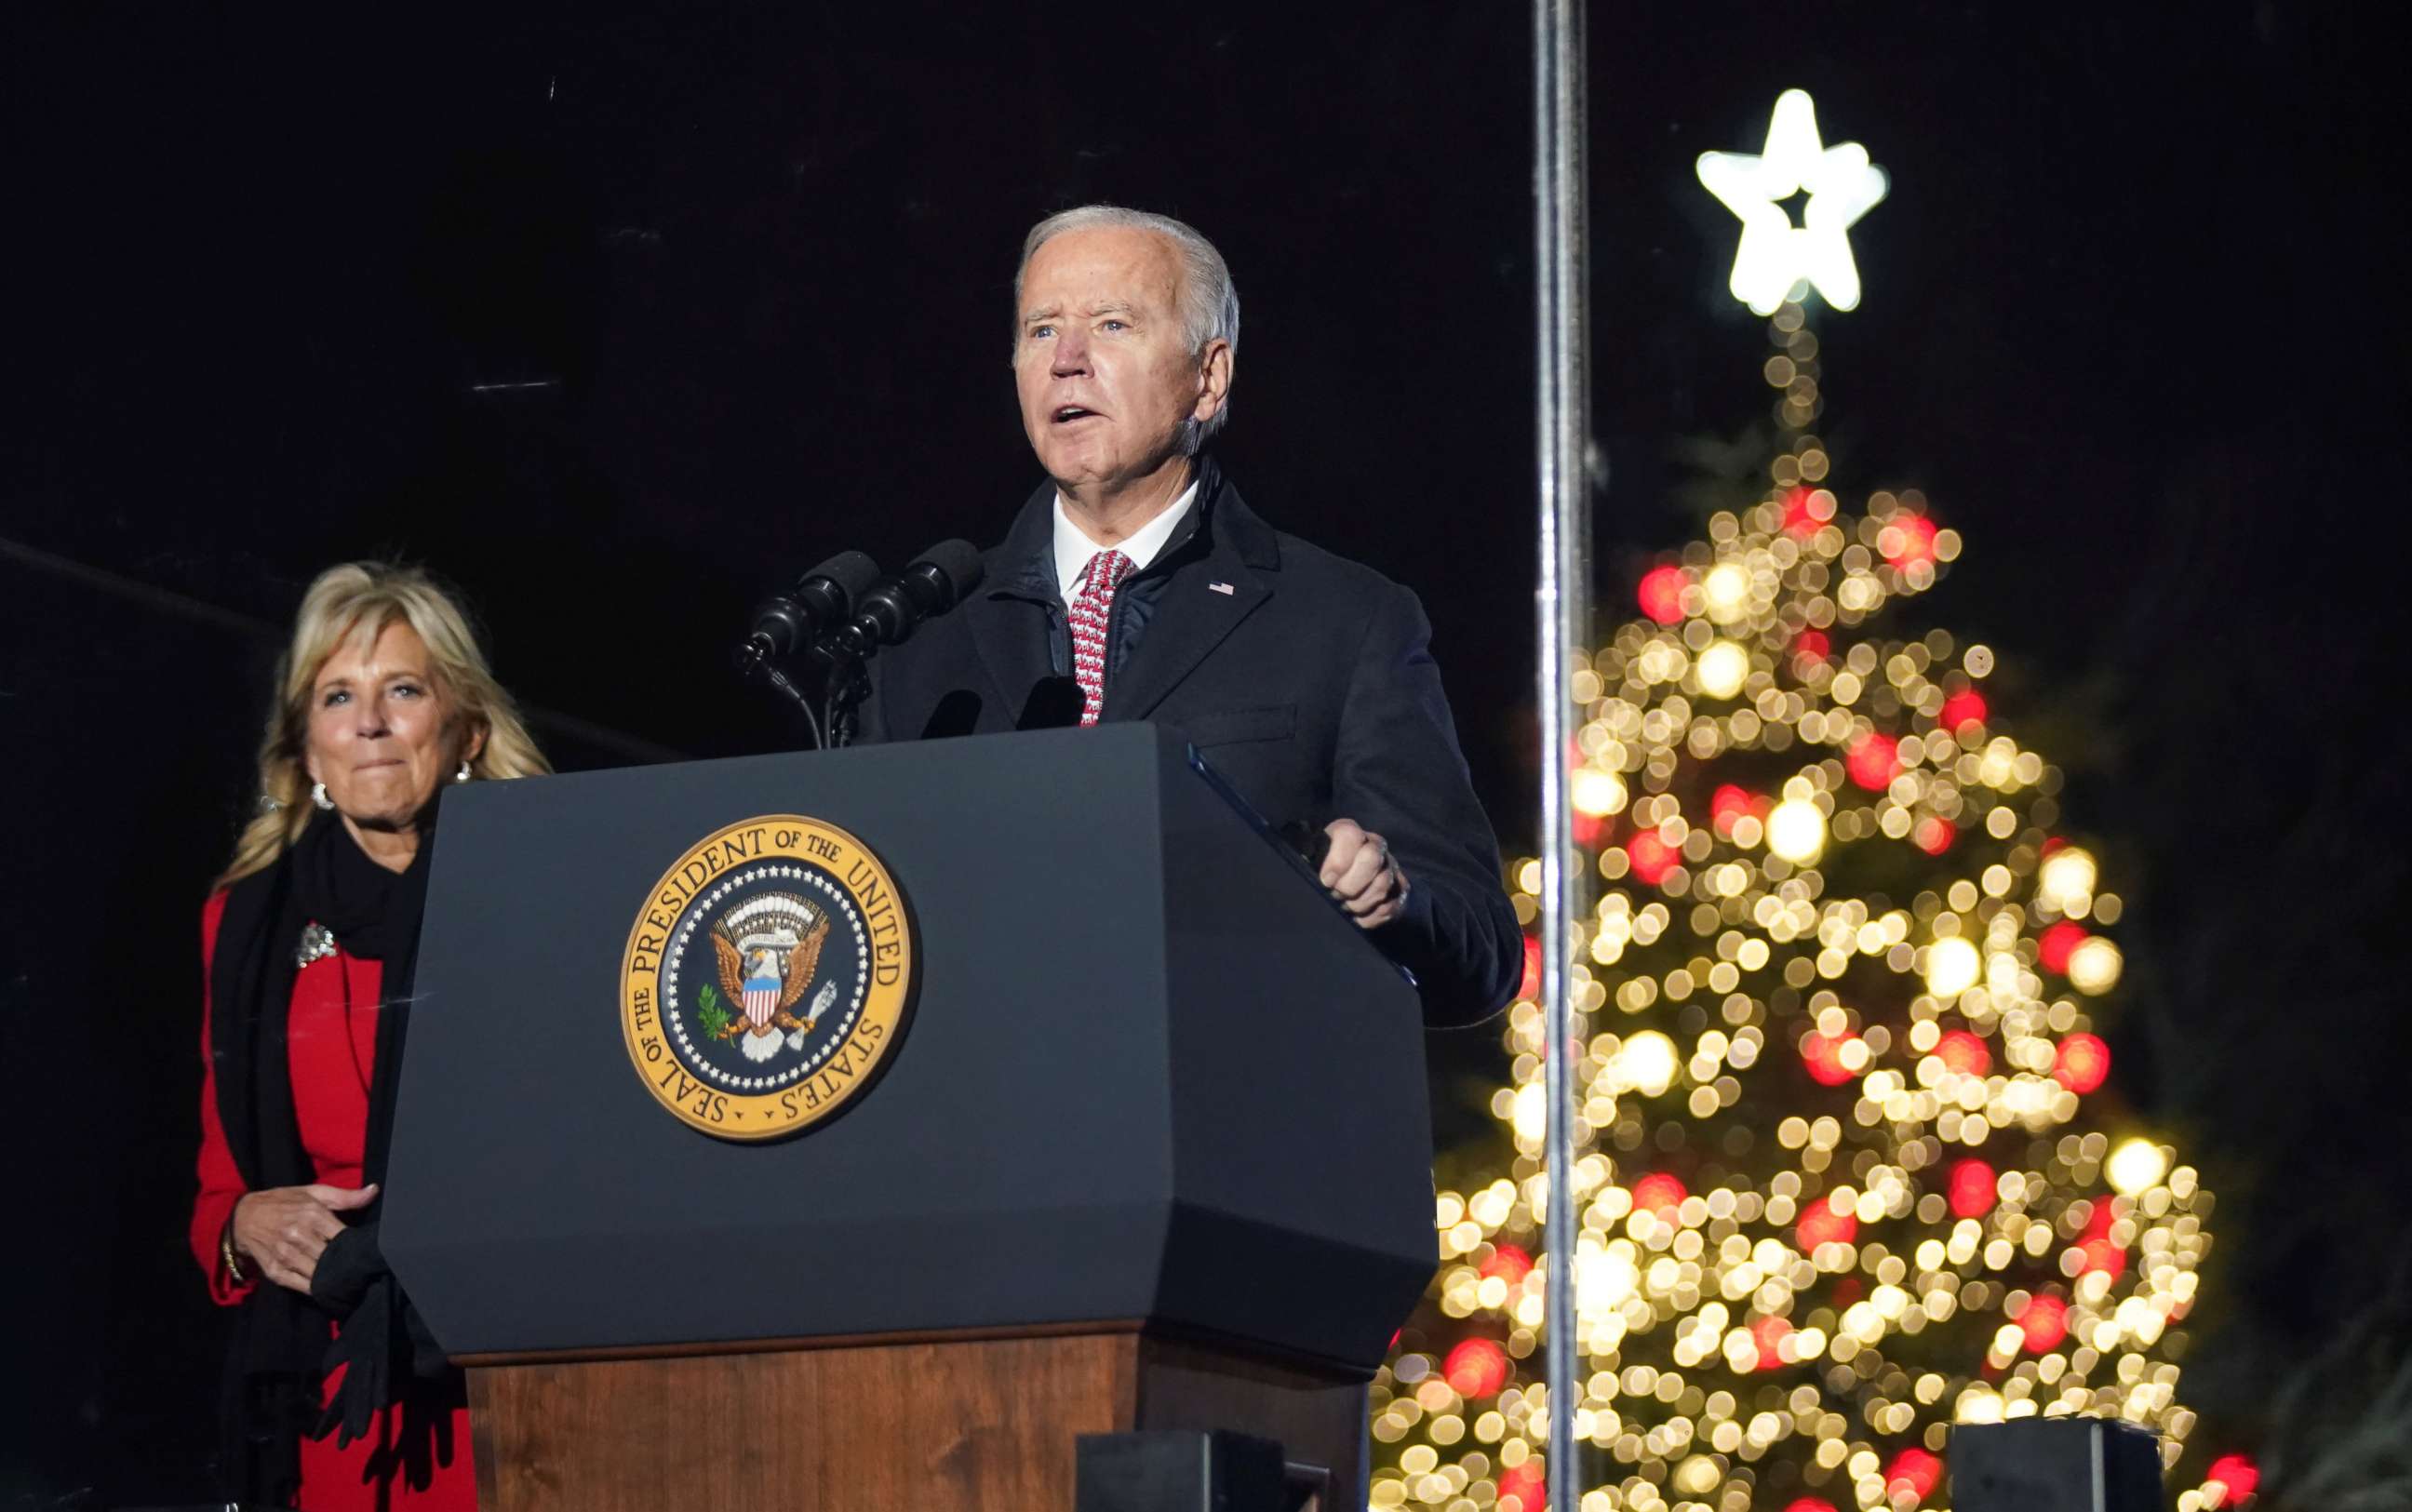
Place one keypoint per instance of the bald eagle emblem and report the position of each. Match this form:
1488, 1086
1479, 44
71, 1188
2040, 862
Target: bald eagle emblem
768, 948
796, 1007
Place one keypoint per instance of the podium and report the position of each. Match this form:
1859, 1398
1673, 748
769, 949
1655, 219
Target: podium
1145, 1143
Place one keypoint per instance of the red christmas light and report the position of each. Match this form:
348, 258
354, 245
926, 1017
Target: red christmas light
2102, 1254
1921, 1471
2081, 1063
1658, 1193
1965, 1053
1801, 515
1810, 1503
1729, 803
1932, 835
1974, 1188
1531, 986
2237, 1474
1771, 1333
1873, 762
1811, 646
1509, 1263
1476, 1369
1661, 593
1965, 707
2045, 1323
1823, 1056
1822, 1225
1652, 857
1588, 828
1907, 538
2054, 946
1523, 1488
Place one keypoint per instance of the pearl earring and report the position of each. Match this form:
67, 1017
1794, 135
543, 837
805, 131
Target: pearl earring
319, 796
463, 776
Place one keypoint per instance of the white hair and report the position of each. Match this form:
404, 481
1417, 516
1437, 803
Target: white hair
1209, 306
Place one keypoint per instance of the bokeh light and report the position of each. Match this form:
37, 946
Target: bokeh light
2137, 1167
1661, 593
1476, 1369
1952, 967
2095, 966
2081, 1063
2236, 1474
1723, 669
1796, 830
1595, 792
1972, 1191
2043, 1325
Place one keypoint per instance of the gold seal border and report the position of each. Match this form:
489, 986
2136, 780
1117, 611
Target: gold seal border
889, 955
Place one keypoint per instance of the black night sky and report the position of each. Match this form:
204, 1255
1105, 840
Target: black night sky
616, 315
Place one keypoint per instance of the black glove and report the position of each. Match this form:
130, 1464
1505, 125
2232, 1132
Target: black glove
349, 1265
363, 1348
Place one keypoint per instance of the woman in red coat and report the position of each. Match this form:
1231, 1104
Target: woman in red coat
335, 1397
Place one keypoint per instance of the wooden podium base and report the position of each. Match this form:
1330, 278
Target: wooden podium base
975, 1422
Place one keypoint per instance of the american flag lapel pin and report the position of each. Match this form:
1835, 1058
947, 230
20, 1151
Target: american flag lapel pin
1221, 587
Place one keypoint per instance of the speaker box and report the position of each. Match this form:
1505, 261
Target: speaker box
2056, 1464
1180, 1470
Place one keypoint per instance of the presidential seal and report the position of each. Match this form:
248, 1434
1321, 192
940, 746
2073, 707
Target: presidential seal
768, 978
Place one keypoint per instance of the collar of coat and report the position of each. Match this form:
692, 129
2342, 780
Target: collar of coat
1024, 565
1214, 564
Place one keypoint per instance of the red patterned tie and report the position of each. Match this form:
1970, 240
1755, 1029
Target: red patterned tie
1090, 612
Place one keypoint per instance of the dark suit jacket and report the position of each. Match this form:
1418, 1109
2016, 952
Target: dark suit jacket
1308, 685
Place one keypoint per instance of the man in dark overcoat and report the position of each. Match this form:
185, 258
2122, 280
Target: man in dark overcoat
1137, 573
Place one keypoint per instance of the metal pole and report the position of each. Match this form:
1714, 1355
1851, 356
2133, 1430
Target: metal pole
1561, 605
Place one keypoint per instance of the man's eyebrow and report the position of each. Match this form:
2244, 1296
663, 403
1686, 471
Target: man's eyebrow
1047, 313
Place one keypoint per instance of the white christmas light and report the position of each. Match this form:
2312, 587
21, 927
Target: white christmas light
1776, 256
1649, 1063
1796, 830
1952, 967
1724, 668
2134, 1165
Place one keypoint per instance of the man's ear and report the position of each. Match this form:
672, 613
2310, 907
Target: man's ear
1213, 381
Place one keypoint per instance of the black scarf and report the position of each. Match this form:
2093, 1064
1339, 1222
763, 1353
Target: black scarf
281, 1354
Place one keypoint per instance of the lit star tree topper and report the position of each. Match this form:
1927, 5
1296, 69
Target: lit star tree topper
1776, 257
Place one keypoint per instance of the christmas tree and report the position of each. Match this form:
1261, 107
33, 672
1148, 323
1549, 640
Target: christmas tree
1846, 1177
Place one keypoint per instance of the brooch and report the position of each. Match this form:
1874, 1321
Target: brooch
318, 942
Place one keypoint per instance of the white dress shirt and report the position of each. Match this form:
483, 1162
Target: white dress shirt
1073, 548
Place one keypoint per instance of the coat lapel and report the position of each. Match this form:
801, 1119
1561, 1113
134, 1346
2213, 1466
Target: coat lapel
1006, 616
1190, 621
1196, 612
1011, 635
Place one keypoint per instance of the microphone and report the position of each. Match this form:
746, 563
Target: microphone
1055, 703
935, 584
1312, 841
822, 596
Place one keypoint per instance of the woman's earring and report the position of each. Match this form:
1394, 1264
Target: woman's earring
319, 796
463, 776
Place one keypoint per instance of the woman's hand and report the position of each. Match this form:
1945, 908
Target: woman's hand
284, 1229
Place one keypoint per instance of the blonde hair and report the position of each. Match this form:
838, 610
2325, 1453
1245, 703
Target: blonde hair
342, 602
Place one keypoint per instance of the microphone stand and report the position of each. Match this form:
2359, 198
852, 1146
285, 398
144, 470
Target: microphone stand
845, 690
754, 661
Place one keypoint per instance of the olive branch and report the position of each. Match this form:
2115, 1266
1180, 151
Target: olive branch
710, 1014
